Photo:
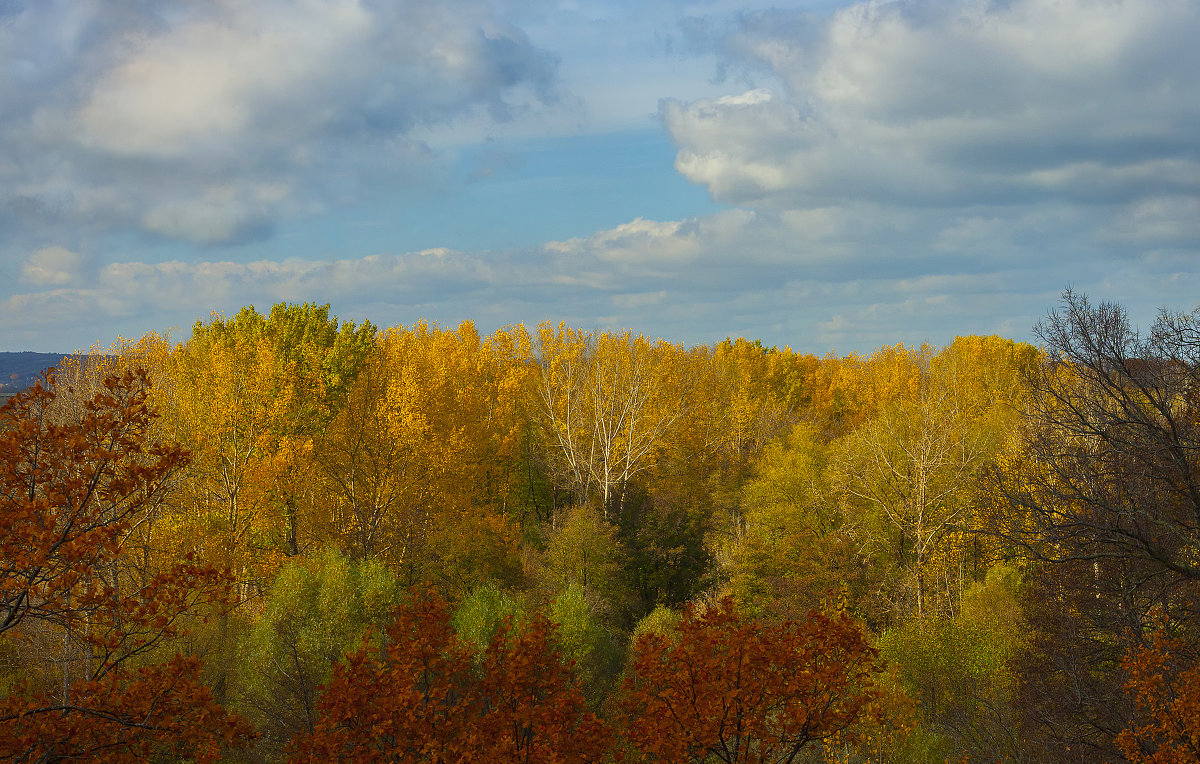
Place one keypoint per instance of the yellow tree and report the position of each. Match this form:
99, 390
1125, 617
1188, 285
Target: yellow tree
416, 467
362, 469
917, 461
247, 395
849, 390
745, 397
750, 389
988, 373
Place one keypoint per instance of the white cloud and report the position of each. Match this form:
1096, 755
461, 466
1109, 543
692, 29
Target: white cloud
903, 171
54, 266
658, 245
172, 120
955, 103
934, 163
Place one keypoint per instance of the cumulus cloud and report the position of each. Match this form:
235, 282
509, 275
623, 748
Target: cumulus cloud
206, 122
53, 266
934, 161
951, 103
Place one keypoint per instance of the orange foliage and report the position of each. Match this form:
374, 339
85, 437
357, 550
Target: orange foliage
422, 699
738, 690
850, 390
123, 717
414, 466
71, 488
1167, 690
69, 494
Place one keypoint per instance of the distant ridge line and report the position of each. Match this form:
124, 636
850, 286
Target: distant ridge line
20, 369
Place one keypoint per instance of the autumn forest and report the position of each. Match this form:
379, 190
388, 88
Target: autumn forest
291, 538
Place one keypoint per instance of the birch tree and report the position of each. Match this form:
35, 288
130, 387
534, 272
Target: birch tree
914, 463
607, 404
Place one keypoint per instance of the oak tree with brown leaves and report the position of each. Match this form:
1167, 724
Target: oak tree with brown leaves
421, 697
732, 689
71, 490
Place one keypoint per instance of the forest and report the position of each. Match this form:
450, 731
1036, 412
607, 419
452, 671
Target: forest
287, 537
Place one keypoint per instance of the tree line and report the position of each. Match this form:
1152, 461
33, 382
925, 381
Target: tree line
288, 537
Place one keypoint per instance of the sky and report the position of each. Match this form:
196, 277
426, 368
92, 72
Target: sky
830, 176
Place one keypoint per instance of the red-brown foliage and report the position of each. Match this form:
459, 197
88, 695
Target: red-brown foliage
1166, 686
422, 698
738, 690
70, 490
123, 717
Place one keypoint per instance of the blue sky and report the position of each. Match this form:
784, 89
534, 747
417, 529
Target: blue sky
825, 175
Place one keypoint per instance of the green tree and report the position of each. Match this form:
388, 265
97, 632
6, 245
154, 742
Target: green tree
585, 550
317, 610
583, 639
960, 669
483, 612
669, 561
796, 546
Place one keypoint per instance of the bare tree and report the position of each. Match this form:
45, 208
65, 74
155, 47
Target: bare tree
1106, 497
1112, 444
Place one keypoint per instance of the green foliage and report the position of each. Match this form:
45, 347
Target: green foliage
317, 610
584, 551
788, 487
661, 620
481, 613
668, 560
790, 553
583, 639
532, 499
959, 669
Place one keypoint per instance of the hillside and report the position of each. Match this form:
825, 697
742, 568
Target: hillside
18, 370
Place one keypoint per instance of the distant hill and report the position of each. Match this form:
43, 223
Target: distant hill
19, 370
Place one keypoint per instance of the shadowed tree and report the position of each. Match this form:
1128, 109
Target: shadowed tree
1105, 498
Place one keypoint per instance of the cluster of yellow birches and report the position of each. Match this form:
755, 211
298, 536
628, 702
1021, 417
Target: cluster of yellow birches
606, 478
